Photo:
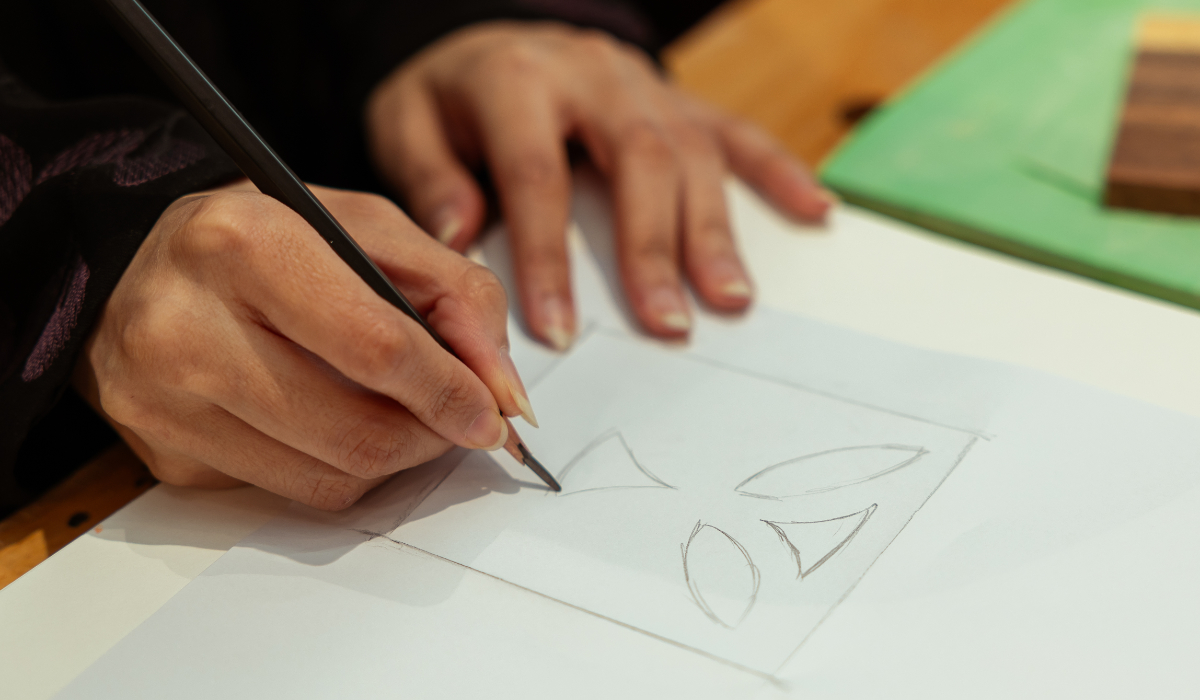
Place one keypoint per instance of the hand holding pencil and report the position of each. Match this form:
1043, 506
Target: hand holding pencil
238, 348
214, 353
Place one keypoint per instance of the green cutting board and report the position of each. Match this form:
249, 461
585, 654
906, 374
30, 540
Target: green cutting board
1006, 145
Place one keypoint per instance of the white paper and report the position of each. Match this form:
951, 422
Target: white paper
697, 496
929, 519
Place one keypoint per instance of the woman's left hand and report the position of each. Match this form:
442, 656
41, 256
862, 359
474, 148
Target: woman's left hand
512, 95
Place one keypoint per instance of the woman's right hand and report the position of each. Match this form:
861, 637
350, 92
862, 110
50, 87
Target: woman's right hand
238, 348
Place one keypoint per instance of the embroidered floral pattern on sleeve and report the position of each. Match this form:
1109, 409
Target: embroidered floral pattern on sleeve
15, 171
137, 159
58, 329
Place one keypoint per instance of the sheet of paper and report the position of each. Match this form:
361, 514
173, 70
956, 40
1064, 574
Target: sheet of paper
714, 503
779, 507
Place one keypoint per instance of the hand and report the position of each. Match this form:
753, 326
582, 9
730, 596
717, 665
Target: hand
511, 95
238, 348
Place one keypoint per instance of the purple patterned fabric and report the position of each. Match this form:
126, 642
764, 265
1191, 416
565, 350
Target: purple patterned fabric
177, 156
99, 148
116, 147
58, 329
15, 175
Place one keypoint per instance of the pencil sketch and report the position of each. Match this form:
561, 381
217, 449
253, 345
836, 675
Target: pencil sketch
829, 470
821, 539
720, 575
653, 533
607, 463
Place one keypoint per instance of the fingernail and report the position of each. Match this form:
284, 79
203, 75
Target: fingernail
736, 290
733, 283
554, 315
488, 431
668, 306
517, 388
447, 225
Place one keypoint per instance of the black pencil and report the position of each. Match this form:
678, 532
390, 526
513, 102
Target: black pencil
264, 168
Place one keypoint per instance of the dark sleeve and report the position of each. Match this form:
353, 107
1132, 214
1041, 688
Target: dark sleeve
81, 184
383, 34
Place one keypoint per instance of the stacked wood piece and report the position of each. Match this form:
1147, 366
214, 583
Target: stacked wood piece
1155, 163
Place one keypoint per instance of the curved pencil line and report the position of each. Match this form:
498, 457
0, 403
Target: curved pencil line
604, 437
919, 453
755, 576
957, 461
800, 572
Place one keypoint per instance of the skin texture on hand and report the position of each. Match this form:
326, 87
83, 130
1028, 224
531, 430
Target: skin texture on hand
511, 96
238, 348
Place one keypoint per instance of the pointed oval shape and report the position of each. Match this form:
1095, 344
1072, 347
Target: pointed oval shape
829, 470
720, 575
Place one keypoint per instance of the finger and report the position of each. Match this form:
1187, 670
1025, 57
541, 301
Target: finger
764, 164
417, 158
709, 252
647, 186
287, 278
523, 139
173, 468
463, 301
213, 439
298, 400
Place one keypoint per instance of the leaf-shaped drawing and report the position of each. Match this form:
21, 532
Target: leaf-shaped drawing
813, 543
829, 470
607, 463
720, 575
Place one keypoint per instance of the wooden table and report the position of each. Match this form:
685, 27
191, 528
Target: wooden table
807, 70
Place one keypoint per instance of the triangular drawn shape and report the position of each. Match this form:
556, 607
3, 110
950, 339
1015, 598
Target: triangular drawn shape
720, 575
829, 470
814, 543
607, 463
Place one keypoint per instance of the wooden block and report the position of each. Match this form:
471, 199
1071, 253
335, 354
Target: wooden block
1155, 164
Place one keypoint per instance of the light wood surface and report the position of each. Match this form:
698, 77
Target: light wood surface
804, 69
808, 69
101, 488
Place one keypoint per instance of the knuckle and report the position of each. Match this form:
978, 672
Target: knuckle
178, 471
370, 206
517, 59
369, 449
534, 170
445, 400
482, 289
126, 409
381, 348
545, 257
659, 250
598, 45
332, 490
161, 336
220, 227
695, 140
712, 235
647, 140
142, 337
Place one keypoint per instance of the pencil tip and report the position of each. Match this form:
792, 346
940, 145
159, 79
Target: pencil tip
531, 462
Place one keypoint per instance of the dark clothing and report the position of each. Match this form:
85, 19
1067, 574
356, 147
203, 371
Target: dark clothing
93, 148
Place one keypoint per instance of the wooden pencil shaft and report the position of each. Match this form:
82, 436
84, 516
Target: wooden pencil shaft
251, 154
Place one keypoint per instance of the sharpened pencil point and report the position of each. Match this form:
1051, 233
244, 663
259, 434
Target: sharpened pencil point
537, 467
